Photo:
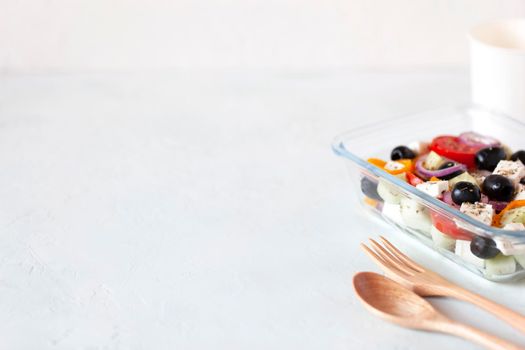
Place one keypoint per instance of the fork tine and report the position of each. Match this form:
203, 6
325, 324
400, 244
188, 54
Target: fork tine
372, 254
386, 255
384, 265
400, 255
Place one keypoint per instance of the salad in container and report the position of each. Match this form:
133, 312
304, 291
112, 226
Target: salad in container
452, 178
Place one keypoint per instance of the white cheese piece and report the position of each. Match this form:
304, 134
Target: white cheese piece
433, 188
520, 193
463, 250
418, 147
509, 248
513, 171
508, 245
392, 165
388, 192
479, 211
433, 161
442, 240
393, 212
415, 215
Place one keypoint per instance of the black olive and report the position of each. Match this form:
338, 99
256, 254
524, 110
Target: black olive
449, 176
522, 181
465, 191
518, 155
498, 187
369, 188
402, 152
488, 158
446, 165
483, 248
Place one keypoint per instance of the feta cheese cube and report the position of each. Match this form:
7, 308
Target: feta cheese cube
415, 215
393, 213
442, 240
507, 245
520, 193
463, 250
433, 188
391, 165
513, 171
479, 211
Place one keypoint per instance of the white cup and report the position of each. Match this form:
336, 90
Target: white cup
497, 66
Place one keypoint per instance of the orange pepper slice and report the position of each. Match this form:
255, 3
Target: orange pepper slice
496, 221
371, 202
407, 165
377, 162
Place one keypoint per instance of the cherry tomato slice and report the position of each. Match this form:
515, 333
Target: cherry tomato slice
451, 147
449, 227
414, 180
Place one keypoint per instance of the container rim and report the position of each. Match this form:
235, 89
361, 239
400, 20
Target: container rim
339, 149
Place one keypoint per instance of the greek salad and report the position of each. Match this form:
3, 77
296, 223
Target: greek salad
473, 173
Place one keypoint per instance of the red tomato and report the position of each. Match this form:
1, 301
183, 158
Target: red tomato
449, 227
413, 179
450, 147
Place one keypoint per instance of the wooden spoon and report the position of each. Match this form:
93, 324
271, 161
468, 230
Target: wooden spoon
393, 302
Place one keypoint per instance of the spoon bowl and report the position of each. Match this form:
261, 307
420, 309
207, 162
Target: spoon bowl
391, 300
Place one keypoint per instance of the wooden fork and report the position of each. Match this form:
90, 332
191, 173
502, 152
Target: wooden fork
425, 282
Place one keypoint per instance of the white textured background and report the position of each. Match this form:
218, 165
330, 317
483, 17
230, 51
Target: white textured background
64, 35
190, 209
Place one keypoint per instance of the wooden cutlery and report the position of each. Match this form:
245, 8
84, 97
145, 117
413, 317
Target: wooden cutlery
424, 282
399, 298
395, 303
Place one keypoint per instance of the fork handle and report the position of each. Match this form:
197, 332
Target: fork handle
475, 335
513, 318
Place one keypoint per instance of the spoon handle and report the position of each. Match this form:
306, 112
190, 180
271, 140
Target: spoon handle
475, 335
513, 318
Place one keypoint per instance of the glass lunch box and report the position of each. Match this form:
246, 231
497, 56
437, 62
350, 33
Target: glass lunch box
428, 213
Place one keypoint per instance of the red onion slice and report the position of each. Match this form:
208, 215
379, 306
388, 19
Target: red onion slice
474, 139
427, 174
447, 198
498, 205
